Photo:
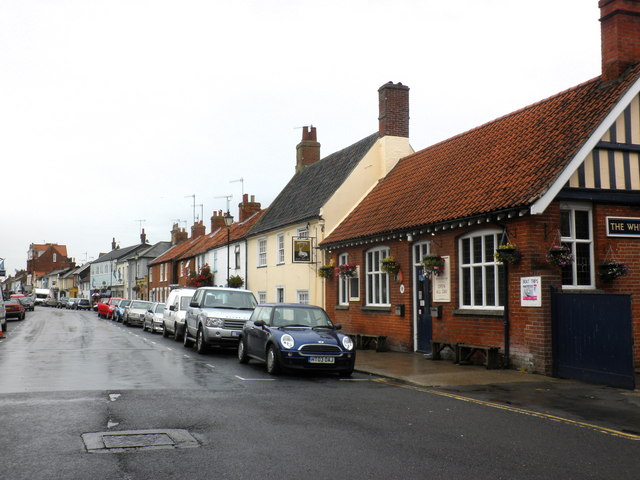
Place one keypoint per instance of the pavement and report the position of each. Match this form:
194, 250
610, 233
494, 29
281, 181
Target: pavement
607, 408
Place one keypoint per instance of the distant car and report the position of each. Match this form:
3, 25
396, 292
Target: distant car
62, 302
51, 302
120, 307
295, 336
134, 314
3, 315
14, 309
106, 306
153, 318
82, 304
27, 302
71, 303
216, 316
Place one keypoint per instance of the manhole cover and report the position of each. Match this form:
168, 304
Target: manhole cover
135, 440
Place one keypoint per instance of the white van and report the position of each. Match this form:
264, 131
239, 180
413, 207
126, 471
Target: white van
175, 309
42, 294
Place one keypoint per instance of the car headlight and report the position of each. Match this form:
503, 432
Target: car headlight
287, 341
347, 342
214, 322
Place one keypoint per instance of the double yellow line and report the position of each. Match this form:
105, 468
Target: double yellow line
522, 411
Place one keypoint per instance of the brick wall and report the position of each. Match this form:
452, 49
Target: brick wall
530, 327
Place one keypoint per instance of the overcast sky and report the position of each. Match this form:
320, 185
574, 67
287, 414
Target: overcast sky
116, 111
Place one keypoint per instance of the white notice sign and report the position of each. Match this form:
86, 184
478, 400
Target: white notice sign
530, 291
441, 284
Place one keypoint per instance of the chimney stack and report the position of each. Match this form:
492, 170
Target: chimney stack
217, 221
177, 235
620, 36
248, 208
198, 229
393, 103
113, 243
308, 150
143, 237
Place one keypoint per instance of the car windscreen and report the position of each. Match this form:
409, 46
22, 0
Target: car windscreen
13, 301
124, 303
140, 304
227, 299
160, 308
184, 302
303, 317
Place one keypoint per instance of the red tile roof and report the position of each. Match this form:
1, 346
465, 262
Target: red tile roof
507, 163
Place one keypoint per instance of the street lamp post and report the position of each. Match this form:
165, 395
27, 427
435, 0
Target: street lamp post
228, 220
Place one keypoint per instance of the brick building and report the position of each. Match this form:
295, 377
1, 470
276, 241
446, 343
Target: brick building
562, 172
45, 258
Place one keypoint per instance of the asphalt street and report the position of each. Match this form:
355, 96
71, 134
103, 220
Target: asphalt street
159, 410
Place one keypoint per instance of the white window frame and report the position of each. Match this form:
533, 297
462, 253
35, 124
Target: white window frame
303, 297
236, 256
280, 294
486, 264
262, 252
343, 282
572, 241
377, 282
262, 297
280, 249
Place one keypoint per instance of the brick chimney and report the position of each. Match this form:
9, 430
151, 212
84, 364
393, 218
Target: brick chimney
620, 36
198, 229
177, 235
217, 220
143, 237
248, 208
393, 102
308, 150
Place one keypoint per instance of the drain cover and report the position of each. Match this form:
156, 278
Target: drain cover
135, 440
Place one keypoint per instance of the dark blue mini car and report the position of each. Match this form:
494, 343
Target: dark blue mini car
295, 336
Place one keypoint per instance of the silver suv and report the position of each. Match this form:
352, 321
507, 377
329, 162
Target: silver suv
216, 316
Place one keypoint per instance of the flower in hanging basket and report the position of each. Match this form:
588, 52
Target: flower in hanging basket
326, 271
389, 266
507, 253
346, 270
560, 256
236, 281
611, 270
433, 264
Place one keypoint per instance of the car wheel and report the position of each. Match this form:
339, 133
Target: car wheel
273, 363
201, 346
186, 341
242, 351
176, 333
23, 316
165, 334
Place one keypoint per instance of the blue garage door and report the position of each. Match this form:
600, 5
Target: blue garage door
592, 338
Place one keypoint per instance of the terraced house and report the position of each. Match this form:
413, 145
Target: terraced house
517, 241
282, 256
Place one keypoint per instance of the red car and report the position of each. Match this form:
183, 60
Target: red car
107, 306
14, 309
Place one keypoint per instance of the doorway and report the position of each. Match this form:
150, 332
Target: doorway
422, 300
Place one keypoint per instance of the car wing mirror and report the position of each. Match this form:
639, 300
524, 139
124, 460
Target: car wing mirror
337, 326
172, 308
259, 323
194, 304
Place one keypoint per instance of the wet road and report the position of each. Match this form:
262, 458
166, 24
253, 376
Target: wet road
66, 374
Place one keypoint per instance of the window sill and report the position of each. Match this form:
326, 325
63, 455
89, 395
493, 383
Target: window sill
472, 312
342, 307
370, 308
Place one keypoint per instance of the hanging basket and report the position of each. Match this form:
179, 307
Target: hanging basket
236, 281
507, 253
560, 256
326, 271
390, 266
609, 271
346, 270
433, 265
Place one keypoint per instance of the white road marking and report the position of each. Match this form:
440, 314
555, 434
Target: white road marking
209, 365
255, 379
114, 396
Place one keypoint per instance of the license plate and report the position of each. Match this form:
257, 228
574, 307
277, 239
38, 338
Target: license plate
322, 360
235, 334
